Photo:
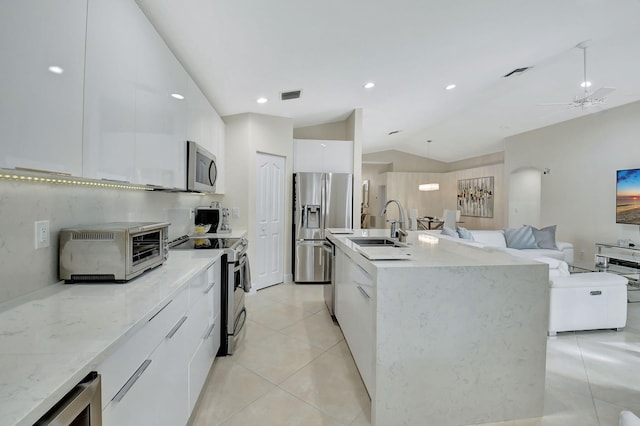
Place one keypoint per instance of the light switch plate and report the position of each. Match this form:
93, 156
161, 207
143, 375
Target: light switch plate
235, 212
43, 236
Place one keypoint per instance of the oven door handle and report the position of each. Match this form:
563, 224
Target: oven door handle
241, 317
240, 265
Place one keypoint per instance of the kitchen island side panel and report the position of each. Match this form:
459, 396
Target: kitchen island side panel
460, 345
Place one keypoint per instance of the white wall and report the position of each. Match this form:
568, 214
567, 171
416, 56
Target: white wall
579, 192
524, 197
24, 269
247, 134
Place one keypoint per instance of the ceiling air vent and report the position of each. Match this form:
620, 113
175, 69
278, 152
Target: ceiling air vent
517, 71
293, 94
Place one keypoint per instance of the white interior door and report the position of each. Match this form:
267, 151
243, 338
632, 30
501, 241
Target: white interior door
270, 182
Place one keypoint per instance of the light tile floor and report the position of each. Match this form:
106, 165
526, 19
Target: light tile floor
294, 368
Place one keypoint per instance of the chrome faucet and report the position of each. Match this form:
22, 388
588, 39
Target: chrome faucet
397, 227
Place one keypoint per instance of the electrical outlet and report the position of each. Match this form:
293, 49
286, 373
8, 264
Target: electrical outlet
43, 236
235, 212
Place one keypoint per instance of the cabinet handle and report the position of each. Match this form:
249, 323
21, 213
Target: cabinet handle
210, 287
161, 309
132, 380
362, 269
364, 292
175, 328
209, 331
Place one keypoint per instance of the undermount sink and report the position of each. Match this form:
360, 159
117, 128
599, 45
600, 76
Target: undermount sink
376, 242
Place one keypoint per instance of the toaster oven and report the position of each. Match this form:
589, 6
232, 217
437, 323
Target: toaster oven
114, 252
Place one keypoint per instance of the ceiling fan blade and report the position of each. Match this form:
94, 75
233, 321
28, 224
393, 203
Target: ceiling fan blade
602, 92
556, 104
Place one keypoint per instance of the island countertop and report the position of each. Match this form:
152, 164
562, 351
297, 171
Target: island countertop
426, 250
51, 339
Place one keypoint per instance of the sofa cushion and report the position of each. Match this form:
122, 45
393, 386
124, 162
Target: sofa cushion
449, 232
520, 238
464, 233
490, 238
545, 237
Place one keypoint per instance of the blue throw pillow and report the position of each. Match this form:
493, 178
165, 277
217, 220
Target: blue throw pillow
545, 237
520, 238
449, 232
464, 233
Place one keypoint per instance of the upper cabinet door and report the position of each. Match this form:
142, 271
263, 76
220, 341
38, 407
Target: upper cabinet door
161, 113
41, 110
219, 148
135, 130
110, 104
322, 156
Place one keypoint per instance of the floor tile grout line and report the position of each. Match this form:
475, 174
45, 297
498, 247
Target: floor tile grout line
317, 408
586, 373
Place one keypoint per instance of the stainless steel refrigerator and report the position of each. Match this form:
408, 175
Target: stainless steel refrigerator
320, 200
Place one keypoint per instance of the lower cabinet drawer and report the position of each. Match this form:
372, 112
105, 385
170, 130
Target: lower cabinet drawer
120, 365
202, 360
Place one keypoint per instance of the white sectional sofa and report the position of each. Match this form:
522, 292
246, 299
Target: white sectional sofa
496, 239
582, 301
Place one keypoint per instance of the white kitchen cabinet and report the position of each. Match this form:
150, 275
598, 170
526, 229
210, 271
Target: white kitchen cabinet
206, 333
110, 89
219, 141
205, 127
41, 112
139, 385
322, 156
355, 300
161, 119
199, 111
134, 129
166, 362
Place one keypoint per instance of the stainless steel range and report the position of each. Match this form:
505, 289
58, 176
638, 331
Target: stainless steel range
237, 278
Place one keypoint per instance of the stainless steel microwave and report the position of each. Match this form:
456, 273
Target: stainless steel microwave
116, 251
202, 170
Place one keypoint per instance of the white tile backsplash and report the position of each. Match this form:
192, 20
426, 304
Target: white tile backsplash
24, 269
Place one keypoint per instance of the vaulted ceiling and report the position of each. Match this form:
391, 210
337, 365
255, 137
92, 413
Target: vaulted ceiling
239, 51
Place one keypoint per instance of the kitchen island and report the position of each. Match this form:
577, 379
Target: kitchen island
451, 335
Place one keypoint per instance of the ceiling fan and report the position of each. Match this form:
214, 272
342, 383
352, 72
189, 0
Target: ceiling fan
586, 99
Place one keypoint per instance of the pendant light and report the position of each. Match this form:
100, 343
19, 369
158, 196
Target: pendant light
429, 186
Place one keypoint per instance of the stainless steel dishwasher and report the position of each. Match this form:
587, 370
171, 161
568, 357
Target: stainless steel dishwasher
330, 288
82, 406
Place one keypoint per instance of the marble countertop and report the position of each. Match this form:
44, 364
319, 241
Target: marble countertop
425, 250
235, 233
51, 339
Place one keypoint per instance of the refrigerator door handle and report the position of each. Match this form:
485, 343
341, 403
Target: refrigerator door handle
328, 247
303, 218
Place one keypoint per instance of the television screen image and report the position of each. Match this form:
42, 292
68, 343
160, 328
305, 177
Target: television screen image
628, 196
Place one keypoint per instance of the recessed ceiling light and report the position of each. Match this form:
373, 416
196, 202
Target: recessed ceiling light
177, 96
370, 85
55, 69
450, 87
585, 84
262, 100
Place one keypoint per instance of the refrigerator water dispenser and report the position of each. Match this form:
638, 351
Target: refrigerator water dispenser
312, 216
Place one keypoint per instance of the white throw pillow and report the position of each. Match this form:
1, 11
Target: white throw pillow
449, 232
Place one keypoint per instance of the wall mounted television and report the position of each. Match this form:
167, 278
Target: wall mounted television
628, 196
